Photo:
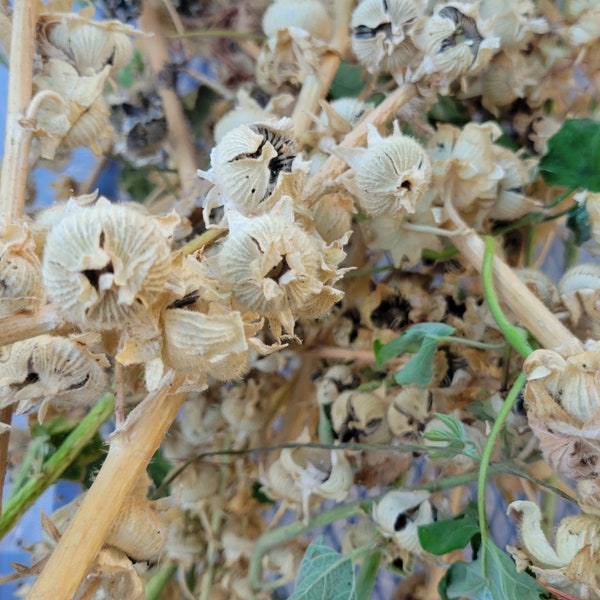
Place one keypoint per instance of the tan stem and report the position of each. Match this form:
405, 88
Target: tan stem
131, 449
316, 86
156, 49
24, 326
533, 315
18, 139
335, 166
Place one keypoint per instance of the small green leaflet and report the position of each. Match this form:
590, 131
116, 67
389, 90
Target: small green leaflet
578, 221
441, 537
464, 580
324, 574
409, 340
454, 433
574, 155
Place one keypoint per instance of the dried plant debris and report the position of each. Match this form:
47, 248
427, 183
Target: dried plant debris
300, 273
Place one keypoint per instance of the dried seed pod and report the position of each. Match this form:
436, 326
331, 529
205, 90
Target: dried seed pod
398, 515
89, 46
390, 176
334, 381
409, 412
105, 266
360, 417
309, 15
540, 284
197, 484
276, 269
563, 405
248, 164
579, 290
572, 564
50, 370
379, 34
21, 287
246, 408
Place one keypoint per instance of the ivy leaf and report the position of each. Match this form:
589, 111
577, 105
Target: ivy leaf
574, 155
441, 537
324, 573
503, 582
409, 340
578, 221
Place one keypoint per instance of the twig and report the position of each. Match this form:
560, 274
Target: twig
131, 449
15, 165
24, 326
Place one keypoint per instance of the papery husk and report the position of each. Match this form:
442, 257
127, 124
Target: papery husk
49, 370
579, 290
105, 266
309, 15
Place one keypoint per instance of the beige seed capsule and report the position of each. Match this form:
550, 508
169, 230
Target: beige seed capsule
309, 15
51, 370
390, 176
105, 266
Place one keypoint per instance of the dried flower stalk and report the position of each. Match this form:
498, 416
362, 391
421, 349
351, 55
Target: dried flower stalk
131, 448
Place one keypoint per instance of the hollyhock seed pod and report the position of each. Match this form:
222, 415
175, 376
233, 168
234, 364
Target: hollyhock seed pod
105, 265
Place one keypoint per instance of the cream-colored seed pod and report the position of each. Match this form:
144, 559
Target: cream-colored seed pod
88, 126
247, 163
274, 268
186, 540
335, 380
21, 287
50, 370
309, 15
379, 34
360, 417
390, 176
579, 290
87, 45
540, 284
105, 266
409, 412
398, 515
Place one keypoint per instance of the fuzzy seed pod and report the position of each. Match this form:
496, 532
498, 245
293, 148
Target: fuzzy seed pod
390, 176
379, 34
409, 412
105, 266
55, 371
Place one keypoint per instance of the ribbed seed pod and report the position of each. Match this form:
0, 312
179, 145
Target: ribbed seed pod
52, 370
105, 266
390, 176
379, 37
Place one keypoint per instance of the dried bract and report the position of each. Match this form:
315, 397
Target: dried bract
309, 15
579, 290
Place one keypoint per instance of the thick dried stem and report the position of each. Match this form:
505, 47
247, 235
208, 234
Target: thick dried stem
13, 178
316, 86
335, 166
532, 313
24, 326
156, 50
131, 449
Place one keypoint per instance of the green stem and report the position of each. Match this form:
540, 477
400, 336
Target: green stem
485, 459
516, 336
159, 580
280, 535
55, 465
25, 470
367, 575
467, 342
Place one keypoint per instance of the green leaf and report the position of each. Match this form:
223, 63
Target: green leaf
326, 435
409, 340
578, 221
574, 155
454, 425
324, 573
419, 369
347, 81
451, 534
503, 582
259, 495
